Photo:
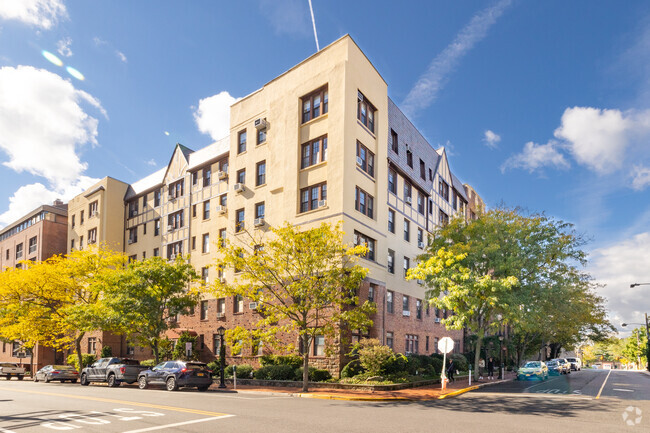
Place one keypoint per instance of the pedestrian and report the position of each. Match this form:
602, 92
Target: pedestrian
481, 368
450, 370
490, 366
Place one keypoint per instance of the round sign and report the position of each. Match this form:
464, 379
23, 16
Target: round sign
446, 345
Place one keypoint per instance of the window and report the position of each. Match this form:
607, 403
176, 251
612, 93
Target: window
223, 165
176, 189
405, 305
71, 248
260, 173
144, 228
241, 176
238, 304
195, 178
408, 192
193, 211
420, 237
394, 144
92, 208
361, 239
426, 344
175, 220
19, 251
314, 104
204, 310
389, 339
371, 292
407, 230
420, 203
443, 218
221, 305
423, 171
206, 209
430, 206
156, 198
313, 152
207, 176
144, 203
392, 181
366, 112
205, 246
389, 301
367, 159
222, 238
411, 343
443, 189
92, 344
407, 265
418, 309
364, 202
156, 227
81, 242
239, 220
310, 196
92, 236
241, 141
319, 345
409, 158
156, 252
430, 175
81, 215
261, 136
32, 245
259, 210
72, 222
391, 261
174, 249
391, 220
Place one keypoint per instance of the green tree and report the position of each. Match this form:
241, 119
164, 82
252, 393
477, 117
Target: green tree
180, 351
144, 299
302, 281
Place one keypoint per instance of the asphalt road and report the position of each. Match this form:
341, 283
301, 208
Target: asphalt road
509, 407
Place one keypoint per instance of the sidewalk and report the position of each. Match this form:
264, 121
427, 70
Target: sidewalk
432, 392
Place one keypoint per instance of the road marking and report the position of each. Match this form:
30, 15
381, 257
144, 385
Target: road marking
130, 403
603, 386
4, 430
160, 427
624, 390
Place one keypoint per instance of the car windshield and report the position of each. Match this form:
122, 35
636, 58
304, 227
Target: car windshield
532, 364
130, 362
551, 363
192, 366
161, 365
571, 359
62, 367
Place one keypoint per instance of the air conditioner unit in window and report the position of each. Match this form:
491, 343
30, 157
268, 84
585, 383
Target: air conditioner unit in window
239, 187
359, 161
260, 123
421, 245
252, 305
437, 320
221, 315
222, 280
420, 282
408, 200
132, 213
221, 209
94, 214
222, 175
170, 228
259, 222
172, 257
406, 313
322, 203
130, 241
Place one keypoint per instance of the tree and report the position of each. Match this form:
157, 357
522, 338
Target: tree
180, 351
302, 281
144, 299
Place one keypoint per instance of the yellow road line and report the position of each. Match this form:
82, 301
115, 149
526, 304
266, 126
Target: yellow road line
603, 386
129, 403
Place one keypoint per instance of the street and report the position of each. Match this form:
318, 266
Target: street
561, 403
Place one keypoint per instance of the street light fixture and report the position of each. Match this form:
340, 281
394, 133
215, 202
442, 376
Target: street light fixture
221, 332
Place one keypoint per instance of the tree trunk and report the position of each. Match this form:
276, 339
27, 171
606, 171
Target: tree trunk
477, 353
31, 362
77, 348
154, 349
305, 363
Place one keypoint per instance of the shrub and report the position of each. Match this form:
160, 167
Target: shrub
179, 349
320, 375
436, 364
148, 362
275, 372
107, 352
214, 366
298, 373
244, 371
352, 369
395, 365
294, 361
373, 356
86, 358
460, 361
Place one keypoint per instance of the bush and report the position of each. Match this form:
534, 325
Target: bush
179, 349
422, 365
86, 358
107, 352
294, 361
436, 364
148, 363
320, 375
395, 365
275, 372
352, 369
298, 373
373, 356
460, 361
244, 371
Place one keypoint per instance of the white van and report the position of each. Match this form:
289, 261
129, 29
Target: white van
576, 363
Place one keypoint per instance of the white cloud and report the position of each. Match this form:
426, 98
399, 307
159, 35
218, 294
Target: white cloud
213, 115
121, 56
619, 265
429, 84
63, 47
640, 177
535, 157
43, 124
491, 139
39, 13
151, 162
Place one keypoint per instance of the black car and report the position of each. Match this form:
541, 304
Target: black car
177, 374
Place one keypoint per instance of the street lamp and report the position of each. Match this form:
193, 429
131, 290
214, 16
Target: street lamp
647, 328
221, 332
501, 356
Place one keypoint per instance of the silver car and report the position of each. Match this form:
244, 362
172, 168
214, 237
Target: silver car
57, 372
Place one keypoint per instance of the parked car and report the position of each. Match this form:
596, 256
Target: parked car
57, 372
8, 369
533, 370
576, 363
566, 366
555, 368
113, 371
177, 374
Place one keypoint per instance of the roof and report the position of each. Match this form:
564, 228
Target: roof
458, 186
208, 153
59, 210
146, 183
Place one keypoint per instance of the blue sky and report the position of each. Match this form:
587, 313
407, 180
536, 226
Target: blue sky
543, 105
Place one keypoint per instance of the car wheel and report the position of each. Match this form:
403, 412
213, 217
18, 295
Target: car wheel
142, 382
84, 380
74, 381
171, 384
8, 377
35, 378
20, 377
203, 387
47, 379
112, 381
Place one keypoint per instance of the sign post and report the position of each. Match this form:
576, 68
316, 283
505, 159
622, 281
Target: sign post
445, 345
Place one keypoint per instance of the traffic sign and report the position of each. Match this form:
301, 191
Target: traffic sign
446, 345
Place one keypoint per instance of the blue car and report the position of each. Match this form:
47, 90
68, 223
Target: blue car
554, 368
177, 374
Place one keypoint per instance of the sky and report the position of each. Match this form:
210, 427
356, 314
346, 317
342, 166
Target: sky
541, 105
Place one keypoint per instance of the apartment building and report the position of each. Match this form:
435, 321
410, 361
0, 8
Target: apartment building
37, 236
322, 142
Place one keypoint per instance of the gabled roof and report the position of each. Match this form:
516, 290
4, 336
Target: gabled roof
458, 186
145, 184
209, 153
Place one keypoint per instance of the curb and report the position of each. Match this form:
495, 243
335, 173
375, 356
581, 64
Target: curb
472, 388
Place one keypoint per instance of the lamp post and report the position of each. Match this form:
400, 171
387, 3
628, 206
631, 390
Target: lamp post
221, 332
647, 328
500, 357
